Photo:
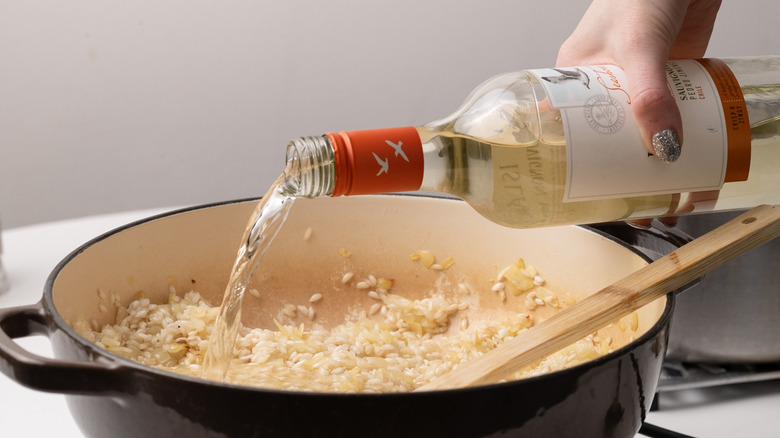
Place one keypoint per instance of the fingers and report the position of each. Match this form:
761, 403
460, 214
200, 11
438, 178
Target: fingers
638, 36
694, 35
672, 29
642, 224
655, 110
643, 58
645, 224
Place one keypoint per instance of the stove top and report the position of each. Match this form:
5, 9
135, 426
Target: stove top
714, 400
677, 376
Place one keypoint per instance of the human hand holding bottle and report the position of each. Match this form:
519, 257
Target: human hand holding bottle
640, 36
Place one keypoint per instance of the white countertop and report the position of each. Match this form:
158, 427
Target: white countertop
31, 253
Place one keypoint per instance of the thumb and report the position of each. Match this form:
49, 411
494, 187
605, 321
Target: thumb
655, 110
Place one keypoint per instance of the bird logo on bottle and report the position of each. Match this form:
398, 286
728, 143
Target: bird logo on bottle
384, 165
398, 149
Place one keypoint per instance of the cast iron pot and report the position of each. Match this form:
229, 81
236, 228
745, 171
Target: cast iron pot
194, 249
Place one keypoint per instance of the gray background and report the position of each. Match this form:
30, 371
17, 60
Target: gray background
115, 105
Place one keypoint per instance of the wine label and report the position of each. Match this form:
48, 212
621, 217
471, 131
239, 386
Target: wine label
605, 156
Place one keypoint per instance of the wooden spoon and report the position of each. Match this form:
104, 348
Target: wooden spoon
655, 280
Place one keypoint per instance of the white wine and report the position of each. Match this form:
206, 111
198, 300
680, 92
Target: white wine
559, 146
522, 186
264, 223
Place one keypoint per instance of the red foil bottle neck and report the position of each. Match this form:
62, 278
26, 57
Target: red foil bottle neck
377, 161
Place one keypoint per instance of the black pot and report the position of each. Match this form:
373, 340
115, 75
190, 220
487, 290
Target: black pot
112, 396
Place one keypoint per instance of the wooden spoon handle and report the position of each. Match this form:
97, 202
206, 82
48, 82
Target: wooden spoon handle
653, 281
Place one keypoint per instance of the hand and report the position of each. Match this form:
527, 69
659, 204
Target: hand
640, 36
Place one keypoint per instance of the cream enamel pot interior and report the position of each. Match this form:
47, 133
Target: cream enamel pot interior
194, 249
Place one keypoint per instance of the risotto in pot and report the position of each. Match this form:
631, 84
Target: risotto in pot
390, 344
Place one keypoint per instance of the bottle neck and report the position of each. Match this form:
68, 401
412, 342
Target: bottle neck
310, 167
355, 163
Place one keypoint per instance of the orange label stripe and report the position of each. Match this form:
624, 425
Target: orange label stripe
736, 118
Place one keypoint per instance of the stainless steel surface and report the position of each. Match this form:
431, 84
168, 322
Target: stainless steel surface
733, 315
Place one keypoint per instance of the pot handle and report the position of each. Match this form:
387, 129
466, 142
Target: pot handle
652, 242
46, 374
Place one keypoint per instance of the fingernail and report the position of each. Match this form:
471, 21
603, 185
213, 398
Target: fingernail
666, 145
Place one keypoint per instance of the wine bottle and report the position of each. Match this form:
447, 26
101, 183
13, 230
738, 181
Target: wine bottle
560, 146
